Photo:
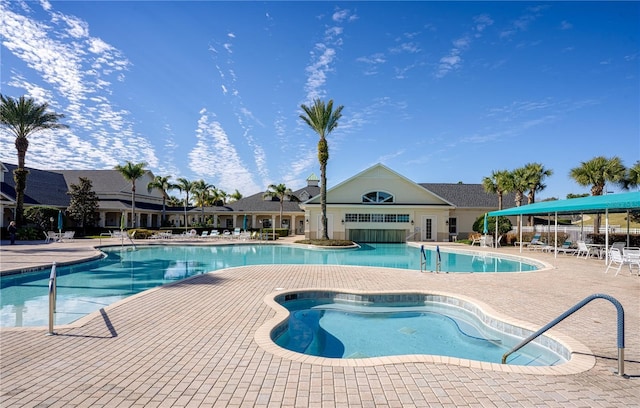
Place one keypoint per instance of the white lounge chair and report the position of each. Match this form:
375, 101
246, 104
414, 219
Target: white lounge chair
632, 255
68, 235
584, 251
617, 258
566, 248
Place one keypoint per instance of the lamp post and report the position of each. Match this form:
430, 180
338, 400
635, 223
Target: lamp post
51, 221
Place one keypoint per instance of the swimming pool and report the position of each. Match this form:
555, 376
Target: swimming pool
86, 287
352, 326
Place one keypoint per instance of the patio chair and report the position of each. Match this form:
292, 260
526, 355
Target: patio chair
486, 241
632, 255
50, 236
535, 243
584, 251
204, 234
68, 235
616, 258
566, 248
214, 234
476, 240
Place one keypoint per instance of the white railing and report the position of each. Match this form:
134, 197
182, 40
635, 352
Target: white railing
576, 232
587, 229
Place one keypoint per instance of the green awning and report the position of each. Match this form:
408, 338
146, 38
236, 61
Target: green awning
591, 205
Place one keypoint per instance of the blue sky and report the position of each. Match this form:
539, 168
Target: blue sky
437, 91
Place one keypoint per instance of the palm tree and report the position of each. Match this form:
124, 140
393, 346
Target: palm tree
281, 192
24, 117
164, 185
323, 120
497, 184
202, 194
596, 173
218, 197
131, 172
174, 201
235, 196
185, 186
517, 182
535, 173
633, 177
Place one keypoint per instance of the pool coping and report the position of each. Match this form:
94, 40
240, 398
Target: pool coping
581, 360
98, 254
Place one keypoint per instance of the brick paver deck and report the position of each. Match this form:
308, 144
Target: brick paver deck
192, 343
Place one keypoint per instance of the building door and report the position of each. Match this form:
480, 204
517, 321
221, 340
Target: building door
428, 228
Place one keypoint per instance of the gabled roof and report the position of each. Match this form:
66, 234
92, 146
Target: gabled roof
43, 187
469, 195
380, 170
111, 182
256, 202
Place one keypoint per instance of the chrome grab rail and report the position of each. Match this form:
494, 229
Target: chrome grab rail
423, 259
52, 297
570, 312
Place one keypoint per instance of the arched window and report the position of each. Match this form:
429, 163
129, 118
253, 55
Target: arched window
377, 197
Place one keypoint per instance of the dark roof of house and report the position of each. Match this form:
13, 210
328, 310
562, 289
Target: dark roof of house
103, 181
256, 202
469, 195
49, 187
43, 187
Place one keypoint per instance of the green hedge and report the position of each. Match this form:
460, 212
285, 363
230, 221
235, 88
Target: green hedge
282, 232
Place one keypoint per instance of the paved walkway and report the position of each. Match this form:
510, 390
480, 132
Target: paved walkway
193, 343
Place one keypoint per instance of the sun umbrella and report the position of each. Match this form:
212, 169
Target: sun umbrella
485, 229
244, 222
60, 222
123, 221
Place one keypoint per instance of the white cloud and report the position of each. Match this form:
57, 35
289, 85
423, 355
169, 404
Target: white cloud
317, 71
482, 21
216, 158
565, 25
372, 62
77, 70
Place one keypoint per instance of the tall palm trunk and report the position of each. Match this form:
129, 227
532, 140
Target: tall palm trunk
20, 178
323, 202
323, 154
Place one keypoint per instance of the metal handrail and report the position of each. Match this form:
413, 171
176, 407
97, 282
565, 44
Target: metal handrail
569, 312
52, 297
423, 259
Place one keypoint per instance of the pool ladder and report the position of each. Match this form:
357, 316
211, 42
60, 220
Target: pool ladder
423, 259
571, 311
52, 298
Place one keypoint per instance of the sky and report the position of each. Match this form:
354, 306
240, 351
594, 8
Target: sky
440, 92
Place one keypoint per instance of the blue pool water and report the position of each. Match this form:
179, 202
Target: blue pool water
86, 287
345, 330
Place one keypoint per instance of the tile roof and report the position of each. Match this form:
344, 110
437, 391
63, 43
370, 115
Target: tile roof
256, 203
469, 195
49, 187
43, 187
